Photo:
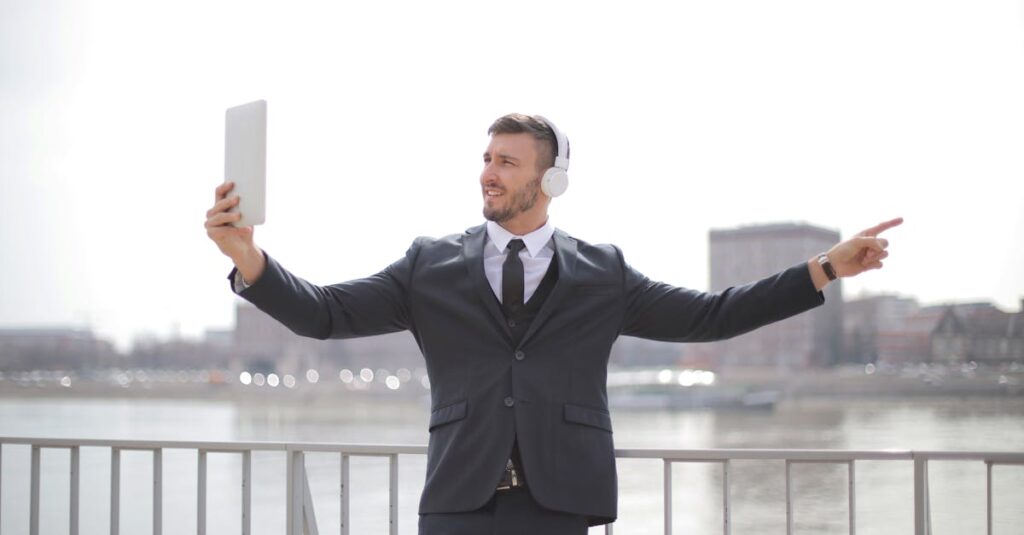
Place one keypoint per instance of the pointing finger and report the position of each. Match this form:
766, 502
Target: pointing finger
881, 227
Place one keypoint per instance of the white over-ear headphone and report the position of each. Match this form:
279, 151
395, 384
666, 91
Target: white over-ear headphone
556, 179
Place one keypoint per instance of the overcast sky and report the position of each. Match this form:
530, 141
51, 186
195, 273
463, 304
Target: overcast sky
683, 116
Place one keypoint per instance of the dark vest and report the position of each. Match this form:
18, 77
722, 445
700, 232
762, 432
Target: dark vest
520, 322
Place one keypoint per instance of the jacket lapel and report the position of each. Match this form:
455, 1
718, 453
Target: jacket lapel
473, 253
565, 255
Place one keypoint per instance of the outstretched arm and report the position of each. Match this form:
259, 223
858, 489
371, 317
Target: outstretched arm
663, 312
863, 252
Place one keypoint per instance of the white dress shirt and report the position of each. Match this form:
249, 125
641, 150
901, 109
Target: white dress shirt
536, 256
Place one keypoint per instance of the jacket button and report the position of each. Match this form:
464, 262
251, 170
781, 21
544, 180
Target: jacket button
509, 401
520, 355
512, 323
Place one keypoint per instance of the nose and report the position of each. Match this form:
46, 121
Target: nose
488, 174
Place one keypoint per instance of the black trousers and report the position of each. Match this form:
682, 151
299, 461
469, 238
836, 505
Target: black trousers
510, 512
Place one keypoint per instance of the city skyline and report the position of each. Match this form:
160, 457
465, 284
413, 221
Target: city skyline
219, 334
695, 117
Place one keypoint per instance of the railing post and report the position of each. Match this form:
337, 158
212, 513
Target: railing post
851, 483
115, 491
246, 492
393, 494
988, 496
201, 494
74, 478
344, 494
726, 509
789, 498
33, 522
668, 496
921, 526
1, 481
308, 512
158, 491
295, 474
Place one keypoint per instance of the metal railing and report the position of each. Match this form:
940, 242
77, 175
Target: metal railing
301, 517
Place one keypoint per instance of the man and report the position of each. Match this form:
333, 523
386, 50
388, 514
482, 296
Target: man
516, 320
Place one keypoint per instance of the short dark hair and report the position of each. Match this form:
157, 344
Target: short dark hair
517, 123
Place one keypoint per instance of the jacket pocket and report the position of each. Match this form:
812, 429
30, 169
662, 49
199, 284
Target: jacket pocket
587, 416
447, 414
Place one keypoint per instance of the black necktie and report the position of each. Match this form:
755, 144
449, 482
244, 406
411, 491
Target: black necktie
512, 279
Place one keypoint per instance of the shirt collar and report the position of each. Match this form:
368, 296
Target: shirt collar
535, 241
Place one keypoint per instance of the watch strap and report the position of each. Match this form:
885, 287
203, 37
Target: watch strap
826, 265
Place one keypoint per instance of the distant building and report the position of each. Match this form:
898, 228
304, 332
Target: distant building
888, 329
178, 353
219, 337
979, 332
54, 349
911, 341
745, 254
262, 342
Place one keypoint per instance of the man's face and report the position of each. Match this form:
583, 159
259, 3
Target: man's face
510, 180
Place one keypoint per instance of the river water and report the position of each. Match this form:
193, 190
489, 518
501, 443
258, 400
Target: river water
884, 499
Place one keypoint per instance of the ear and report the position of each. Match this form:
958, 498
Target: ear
554, 182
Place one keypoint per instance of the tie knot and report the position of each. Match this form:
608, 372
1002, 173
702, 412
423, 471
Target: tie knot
516, 245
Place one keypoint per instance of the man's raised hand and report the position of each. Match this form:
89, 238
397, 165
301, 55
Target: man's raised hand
864, 251
235, 242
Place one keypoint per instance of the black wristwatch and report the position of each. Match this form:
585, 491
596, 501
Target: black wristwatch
826, 265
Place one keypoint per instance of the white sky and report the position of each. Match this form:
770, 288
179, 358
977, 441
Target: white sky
683, 116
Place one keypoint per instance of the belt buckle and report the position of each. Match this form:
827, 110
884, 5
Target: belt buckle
510, 479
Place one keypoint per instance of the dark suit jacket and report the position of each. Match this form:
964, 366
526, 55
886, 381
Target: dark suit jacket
551, 396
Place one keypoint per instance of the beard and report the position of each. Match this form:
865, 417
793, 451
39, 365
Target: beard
520, 202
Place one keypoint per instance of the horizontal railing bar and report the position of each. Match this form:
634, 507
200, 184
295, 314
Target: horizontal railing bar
383, 450
221, 447
828, 461
145, 444
719, 455
364, 450
999, 457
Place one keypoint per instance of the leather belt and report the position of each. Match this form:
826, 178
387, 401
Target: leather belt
512, 478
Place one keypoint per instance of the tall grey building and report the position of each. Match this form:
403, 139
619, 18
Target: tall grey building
748, 253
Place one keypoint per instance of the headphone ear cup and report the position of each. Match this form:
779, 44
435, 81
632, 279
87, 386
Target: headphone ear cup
554, 182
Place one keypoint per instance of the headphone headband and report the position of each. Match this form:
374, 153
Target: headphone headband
562, 156
555, 180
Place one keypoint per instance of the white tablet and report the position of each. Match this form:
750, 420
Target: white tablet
245, 160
